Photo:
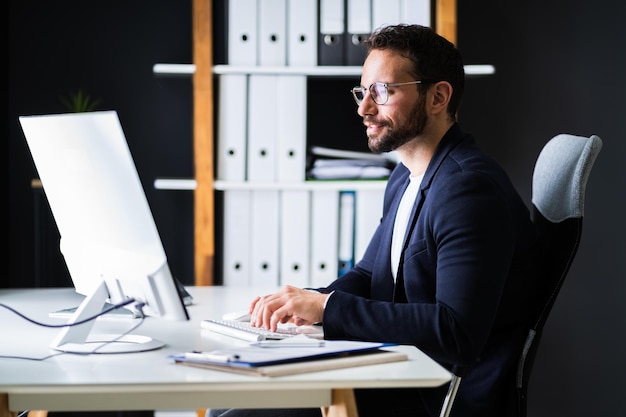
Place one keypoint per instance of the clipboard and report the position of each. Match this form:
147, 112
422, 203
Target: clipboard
281, 361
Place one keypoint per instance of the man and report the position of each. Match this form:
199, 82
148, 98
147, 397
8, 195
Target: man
452, 265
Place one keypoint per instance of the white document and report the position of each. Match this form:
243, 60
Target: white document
236, 238
416, 12
386, 12
332, 32
242, 32
324, 235
231, 127
262, 127
264, 271
291, 129
302, 18
346, 231
294, 237
368, 212
272, 32
359, 26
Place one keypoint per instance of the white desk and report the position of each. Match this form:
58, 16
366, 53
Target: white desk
150, 381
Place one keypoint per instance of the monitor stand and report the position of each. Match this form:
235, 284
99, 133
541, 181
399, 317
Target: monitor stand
78, 338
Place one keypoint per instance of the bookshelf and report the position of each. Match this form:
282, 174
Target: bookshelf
204, 185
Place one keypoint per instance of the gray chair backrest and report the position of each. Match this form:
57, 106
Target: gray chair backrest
560, 176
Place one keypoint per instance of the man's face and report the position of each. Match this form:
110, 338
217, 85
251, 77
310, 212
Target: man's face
403, 116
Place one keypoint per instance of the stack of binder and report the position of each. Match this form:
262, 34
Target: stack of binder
311, 32
272, 32
345, 24
301, 237
261, 128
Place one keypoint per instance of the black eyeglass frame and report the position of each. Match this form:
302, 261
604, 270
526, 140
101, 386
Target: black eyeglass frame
386, 86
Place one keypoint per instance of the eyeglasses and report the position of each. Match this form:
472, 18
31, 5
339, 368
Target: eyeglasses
380, 91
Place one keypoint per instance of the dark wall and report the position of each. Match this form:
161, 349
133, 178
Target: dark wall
560, 68
106, 50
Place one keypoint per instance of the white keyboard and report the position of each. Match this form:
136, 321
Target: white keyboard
245, 331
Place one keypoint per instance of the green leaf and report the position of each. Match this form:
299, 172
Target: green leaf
79, 102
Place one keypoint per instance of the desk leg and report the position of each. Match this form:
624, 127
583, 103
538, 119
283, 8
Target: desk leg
343, 404
4, 406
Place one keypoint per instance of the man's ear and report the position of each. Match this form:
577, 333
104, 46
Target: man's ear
441, 94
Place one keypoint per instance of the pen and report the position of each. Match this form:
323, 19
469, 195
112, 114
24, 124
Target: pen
283, 344
213, 356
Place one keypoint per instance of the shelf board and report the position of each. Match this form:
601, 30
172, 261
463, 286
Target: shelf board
318, 71
184, 70
190, 184
322, 71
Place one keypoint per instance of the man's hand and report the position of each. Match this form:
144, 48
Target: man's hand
302, 307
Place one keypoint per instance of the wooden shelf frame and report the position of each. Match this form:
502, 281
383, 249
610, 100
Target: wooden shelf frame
204, 214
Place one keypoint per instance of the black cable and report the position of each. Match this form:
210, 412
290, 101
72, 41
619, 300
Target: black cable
139, 306
113, 307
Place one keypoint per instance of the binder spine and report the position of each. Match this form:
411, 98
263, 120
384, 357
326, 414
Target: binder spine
272, 32
332, 32
347, 201
242, 32
359, 27
302, 29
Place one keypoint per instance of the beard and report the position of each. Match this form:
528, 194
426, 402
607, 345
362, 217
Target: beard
398, 136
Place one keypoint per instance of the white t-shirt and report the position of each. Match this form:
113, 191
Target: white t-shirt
402, 221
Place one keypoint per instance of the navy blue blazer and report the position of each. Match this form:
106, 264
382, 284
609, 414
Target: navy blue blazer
469, 270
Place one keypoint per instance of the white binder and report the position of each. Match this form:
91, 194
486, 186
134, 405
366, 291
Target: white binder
264, 268
236, 238
231, 127
262, 127
416, 11
302, 18
294, 237
242, 32
272, 32
324, 237
385, 12
368, 212
291, 129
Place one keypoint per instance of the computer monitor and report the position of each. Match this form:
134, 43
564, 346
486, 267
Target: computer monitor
109, 240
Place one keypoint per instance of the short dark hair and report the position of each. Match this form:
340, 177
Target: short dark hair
433, 56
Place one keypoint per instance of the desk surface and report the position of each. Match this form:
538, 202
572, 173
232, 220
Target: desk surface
151, 381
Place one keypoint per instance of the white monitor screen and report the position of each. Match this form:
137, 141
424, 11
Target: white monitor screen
108, 235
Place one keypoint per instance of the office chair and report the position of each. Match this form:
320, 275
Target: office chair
558, 196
